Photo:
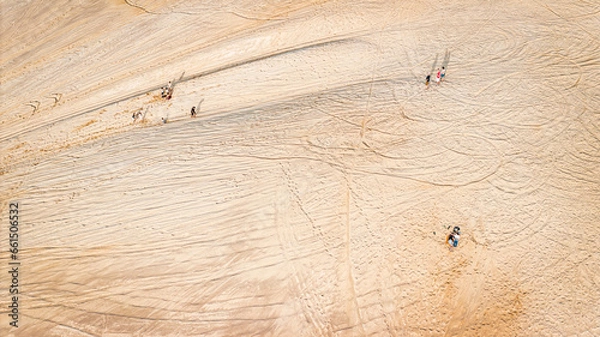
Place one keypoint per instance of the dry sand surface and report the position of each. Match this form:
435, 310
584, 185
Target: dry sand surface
312, 194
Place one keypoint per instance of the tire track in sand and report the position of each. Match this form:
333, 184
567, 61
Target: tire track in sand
291, 248
346, 259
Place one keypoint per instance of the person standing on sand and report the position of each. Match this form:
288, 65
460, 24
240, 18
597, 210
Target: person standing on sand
193, 111
437, 77
427, 79
443, 74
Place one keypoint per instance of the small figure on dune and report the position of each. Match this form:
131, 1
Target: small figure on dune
438, 76
427, 80
164, 120
193, 111
454, 237
443, 74
166, 91
136, 115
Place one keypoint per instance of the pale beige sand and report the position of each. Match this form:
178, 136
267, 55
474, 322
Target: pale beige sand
312, 194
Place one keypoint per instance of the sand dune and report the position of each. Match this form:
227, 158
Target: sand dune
312, 194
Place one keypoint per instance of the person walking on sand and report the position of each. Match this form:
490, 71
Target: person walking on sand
193, 111
427, 79
438, 76
443, 74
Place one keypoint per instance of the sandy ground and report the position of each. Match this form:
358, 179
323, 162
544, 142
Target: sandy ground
313, 193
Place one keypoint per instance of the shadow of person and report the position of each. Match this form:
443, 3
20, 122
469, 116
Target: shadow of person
446, 59
434, 64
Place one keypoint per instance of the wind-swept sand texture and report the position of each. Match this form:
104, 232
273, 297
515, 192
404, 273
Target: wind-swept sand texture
313, 193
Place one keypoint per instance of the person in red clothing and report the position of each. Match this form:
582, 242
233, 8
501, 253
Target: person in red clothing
437, 77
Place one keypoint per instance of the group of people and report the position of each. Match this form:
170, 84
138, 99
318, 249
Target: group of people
167, 91
454, 237
438, 78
